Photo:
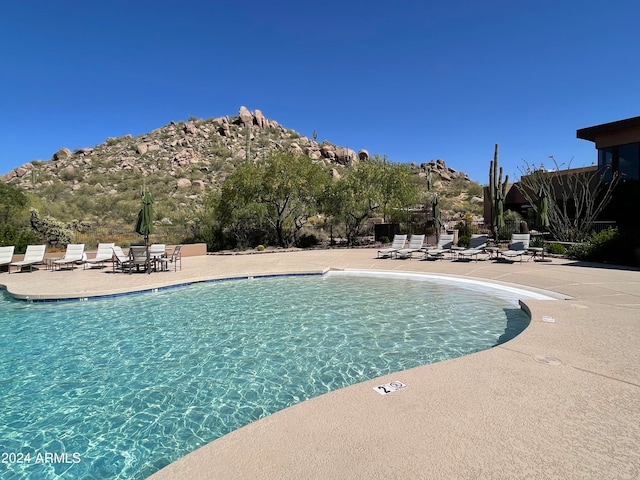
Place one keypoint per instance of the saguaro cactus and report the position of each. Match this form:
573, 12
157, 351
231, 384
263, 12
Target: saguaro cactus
497, 191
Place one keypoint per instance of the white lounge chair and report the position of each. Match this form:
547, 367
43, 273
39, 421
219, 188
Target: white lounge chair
6, 255
477, 244
74, 253
397, 244
445, 242
517, 247
415, 245
157, 251
120, 260
104, 254
33, 255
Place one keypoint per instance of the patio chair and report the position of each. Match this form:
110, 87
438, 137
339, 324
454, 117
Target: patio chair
157, 251
33, 255
517, 247
175, 258
139, 258
445, 243
104, 254
74, 253
6, 255
397, 244
415, 245
477, 244
120, 260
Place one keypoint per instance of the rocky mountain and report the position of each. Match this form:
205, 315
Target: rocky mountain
179, 162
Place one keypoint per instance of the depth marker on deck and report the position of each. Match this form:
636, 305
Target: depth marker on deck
390, 387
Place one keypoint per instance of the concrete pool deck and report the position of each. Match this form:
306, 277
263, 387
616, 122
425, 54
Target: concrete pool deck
561, 400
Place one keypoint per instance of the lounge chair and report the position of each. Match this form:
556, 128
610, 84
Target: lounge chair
33, 255
6, 255
104, 254
477, 244
517, 247
445, 242
175, 258
120, 260
397, 244
74, 253
415, 245
157, 251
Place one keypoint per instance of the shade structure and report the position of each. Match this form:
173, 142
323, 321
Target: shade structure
144, 224
542, 209
437, 215
499, 218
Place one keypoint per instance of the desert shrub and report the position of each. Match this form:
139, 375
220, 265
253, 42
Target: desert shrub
465, 227
537, 241
384, 239
557, 249
464, 241
603, 246
579, 251
260, 248
17, 236
307, 240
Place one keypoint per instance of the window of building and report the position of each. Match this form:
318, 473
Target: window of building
605, 163
623, 159
629, 161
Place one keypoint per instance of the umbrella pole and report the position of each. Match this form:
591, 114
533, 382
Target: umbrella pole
146, 244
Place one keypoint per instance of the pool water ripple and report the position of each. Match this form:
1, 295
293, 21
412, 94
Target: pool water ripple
133, 383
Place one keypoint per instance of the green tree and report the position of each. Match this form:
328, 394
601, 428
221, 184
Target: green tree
375, 187
235, 210
13, 201
576, 197
273, 197
14, 218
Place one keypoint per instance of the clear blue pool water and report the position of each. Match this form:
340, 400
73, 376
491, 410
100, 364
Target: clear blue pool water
126, 386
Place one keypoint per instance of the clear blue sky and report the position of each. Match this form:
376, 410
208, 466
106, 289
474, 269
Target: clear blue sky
413, 80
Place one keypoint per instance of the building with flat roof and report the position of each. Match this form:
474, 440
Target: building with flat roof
618, 146
618, 152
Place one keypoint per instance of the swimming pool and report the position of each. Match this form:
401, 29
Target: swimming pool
119, 388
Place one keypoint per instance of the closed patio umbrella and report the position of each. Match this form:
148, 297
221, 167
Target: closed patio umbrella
543, 209
499, 220
144, 224
437, 215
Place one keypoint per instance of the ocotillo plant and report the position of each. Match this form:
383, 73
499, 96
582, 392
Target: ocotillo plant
497, 188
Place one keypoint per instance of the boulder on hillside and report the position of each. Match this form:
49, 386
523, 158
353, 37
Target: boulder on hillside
345, 156
245, 116
295, 148
142, 148
183, 183
183, 158
18, 172
328, 151
225, 130
199, 184
190, 128
260, 121
61, 154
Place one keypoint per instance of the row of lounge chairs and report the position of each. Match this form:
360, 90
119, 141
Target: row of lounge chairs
518, 246
137, 257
